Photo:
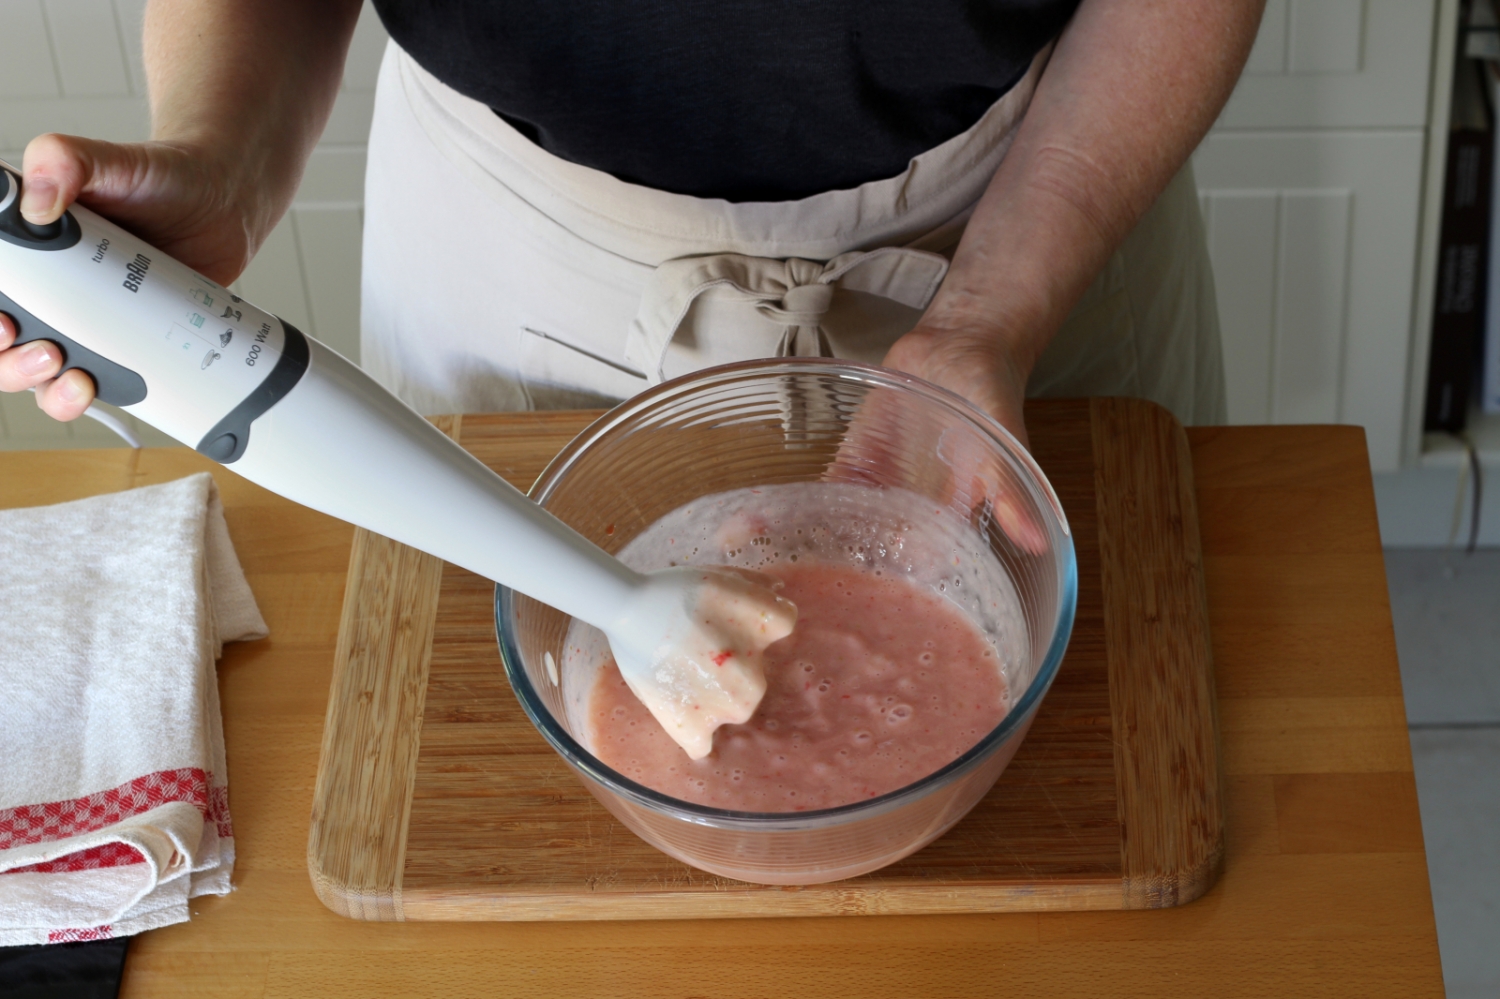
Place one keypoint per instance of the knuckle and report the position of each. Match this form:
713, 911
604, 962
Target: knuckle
11, 380
28, 366
55, 144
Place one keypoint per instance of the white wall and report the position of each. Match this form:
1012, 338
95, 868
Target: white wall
75, 66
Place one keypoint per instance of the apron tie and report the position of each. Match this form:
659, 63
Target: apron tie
794, 294
801, 316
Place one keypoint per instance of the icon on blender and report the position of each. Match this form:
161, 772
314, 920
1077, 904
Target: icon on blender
202, 297
209, 358
225, 337
196, 320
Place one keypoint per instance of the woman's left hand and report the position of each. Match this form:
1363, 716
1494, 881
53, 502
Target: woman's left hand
970, 361
952, 463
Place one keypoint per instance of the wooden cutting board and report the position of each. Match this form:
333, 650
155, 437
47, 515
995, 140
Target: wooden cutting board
436, 799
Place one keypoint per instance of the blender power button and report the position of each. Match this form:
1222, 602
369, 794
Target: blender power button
43, 233
60, 234
221, 448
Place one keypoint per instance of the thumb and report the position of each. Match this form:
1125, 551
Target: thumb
57, 169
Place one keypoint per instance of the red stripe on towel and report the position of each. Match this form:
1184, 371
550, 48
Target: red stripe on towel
218, 810
58, 820
92, 859
74, 936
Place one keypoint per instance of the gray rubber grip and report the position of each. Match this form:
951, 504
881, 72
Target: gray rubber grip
114, 383
231, 435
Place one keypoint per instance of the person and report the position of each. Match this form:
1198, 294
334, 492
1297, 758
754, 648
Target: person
569, 202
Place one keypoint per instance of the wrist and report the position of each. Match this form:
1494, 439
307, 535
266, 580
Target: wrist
995, 337
235, 181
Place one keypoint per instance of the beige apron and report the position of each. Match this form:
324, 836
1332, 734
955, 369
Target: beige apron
500, 277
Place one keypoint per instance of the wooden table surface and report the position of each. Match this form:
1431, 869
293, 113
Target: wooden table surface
1324, 891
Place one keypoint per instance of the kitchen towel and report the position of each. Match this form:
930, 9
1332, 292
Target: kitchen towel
114, 809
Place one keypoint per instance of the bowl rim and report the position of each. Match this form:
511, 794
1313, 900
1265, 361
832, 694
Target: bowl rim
1020, 713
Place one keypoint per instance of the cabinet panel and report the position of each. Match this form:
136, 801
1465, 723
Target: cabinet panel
1325, 36
1337, 64
131, 16
1243, 245
274, 280
86, 43
26, 68
330, 242
1312, 274
1313, 240
362, 65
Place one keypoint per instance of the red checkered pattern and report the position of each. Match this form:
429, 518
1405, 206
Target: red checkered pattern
57, 820
92, 859
218, 811
74, 936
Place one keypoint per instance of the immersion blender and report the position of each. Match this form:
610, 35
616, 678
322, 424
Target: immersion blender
286, 412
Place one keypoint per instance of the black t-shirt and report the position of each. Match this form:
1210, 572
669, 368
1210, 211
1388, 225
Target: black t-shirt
748, 100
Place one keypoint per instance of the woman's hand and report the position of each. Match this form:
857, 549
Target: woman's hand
195, 208
971, 362
199, 208
891, 441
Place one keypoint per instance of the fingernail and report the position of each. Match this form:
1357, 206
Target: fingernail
38, 198
68, 390
35, 359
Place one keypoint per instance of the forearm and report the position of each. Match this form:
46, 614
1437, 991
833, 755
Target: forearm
248, 84
1131, 89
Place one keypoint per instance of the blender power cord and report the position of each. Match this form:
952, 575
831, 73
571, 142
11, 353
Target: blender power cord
1471, 468
1475, 495
111, 421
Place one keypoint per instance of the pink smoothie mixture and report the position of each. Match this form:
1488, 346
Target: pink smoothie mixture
881, 683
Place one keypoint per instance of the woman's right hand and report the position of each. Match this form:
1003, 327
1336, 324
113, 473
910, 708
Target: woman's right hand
176, 198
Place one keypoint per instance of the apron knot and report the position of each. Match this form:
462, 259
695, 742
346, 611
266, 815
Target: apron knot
804, 305
793, 294
800, 313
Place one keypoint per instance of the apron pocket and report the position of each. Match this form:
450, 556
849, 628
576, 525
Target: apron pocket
560, 372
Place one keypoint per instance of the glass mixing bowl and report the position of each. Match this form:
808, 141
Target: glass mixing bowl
795, 420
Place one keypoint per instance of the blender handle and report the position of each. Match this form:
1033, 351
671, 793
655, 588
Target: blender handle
340, 443
315, 428
114, 383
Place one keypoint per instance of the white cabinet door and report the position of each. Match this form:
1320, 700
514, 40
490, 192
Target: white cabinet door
1337, 63
1313, 238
